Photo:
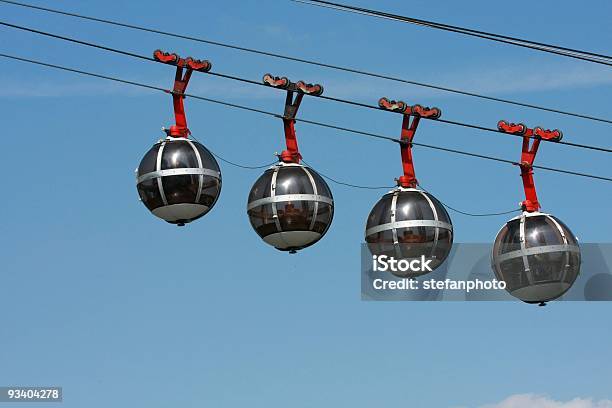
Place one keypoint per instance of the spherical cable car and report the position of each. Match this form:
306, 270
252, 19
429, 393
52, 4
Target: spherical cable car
407, 222
178, 179
290, 206
535, 254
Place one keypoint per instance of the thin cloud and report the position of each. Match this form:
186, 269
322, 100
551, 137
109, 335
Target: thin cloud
540, 401
57, 89
496, 81
539, 78
278, 33
490, 81
54, 89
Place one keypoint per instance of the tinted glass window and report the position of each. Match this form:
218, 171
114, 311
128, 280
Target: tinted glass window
440, 209
573, 267
382, 237
571, 238
381, 213
445, 237
178, 154
513, 273
180, 189
149, 161
208, 160
211, 188
293, 180
509, 238
411, 205
322, 187
262, 187
415, 250
445, 243
262, 220
149, 194
295, 215
415, 241
415, 235
381, 243
325, 214
547, 267
541, 231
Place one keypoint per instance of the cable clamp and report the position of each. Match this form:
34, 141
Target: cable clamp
189, 62
415, 110
552, 135
300, 86
512, 128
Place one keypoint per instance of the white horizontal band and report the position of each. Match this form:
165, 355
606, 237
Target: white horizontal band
519, 253
289, 197
189, 171
407, 224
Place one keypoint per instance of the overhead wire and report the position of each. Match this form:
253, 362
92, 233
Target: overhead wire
307, 61
342, 183
231, 163
363, 187
242, 166
539, 46
357, 186
470, 214
252, 82
321, 124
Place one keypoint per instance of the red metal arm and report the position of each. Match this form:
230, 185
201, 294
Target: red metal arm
292, 153
528, 154
409, 127
180, 85
292, 104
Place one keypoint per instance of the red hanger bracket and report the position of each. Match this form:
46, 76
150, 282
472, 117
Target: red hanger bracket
295, 93
412, 116
189, 64
528, 154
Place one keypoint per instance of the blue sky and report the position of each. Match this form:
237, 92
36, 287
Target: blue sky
121, 309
